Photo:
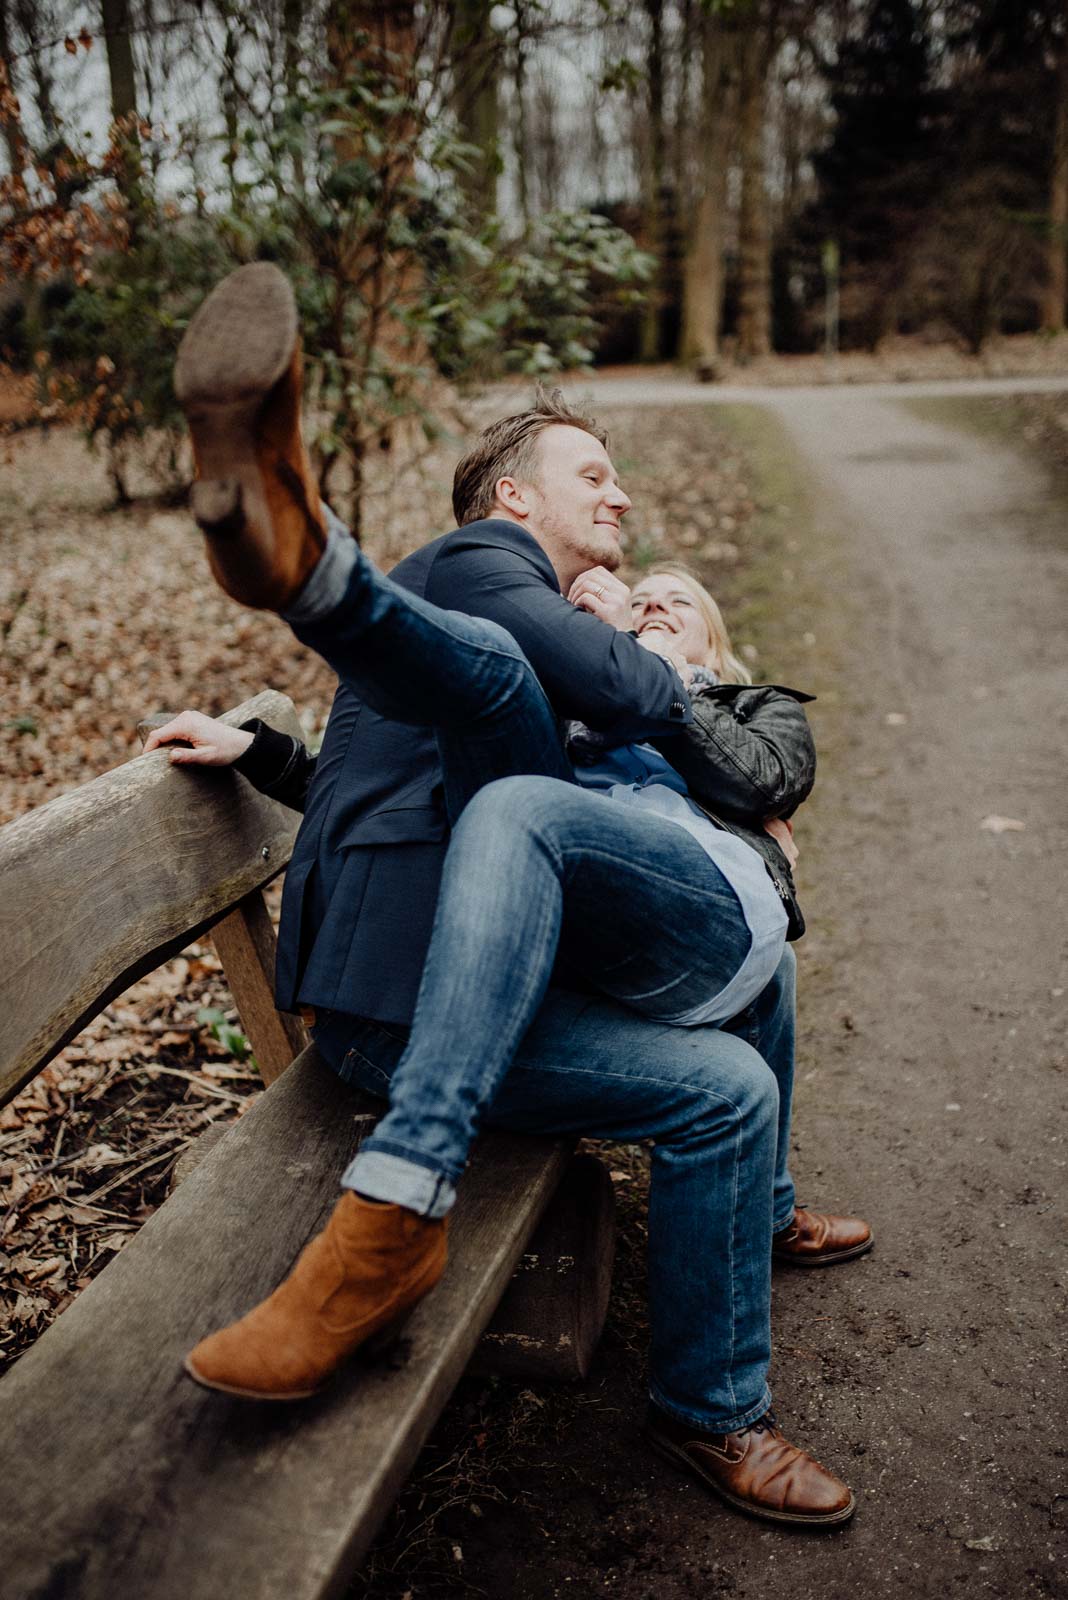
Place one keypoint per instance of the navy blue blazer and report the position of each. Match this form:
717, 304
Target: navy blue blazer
362, 885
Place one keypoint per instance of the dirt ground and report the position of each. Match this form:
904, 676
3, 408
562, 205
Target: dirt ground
913, 573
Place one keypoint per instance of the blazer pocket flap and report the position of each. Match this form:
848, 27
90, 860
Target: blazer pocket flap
401, 825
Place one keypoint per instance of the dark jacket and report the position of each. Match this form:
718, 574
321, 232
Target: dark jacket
362, 885
748, 755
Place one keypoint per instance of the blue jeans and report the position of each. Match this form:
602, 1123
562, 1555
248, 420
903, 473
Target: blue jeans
541, 876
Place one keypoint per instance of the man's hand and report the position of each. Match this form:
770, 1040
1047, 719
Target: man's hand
606, 596
783, 834
213, 744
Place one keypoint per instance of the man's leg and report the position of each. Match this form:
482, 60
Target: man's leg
802, 1238
591, 1067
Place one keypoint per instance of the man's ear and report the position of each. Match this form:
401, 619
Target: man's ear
514, 497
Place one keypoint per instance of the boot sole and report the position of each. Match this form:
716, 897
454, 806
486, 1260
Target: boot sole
831, 1260
236, 348
378, 1340
679, 1458
373, 1346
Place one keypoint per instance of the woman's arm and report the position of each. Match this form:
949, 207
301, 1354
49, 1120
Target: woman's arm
274, 763
748, 753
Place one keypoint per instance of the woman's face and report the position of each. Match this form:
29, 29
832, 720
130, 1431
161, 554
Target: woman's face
662, 603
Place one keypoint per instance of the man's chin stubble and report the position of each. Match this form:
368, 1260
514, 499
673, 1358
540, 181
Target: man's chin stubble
607, 554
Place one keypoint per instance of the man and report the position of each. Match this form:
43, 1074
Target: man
540, 510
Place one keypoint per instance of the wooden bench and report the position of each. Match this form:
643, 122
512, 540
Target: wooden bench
118, 1476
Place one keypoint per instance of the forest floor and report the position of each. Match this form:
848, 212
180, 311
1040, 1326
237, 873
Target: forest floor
907, 562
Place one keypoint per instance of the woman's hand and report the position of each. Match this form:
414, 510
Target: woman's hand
606, 596
783, 834
662, 644
211, 743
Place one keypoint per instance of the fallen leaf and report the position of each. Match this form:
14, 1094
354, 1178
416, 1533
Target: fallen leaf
28, 1307
987, 1543
995, 824
100, 1155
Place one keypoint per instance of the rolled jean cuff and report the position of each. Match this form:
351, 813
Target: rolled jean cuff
735, 1424
380, 1176
326, 587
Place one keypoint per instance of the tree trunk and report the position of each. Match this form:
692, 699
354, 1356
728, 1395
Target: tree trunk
292, 16
115, 15
383, 37
40, 56
702, 301
519, 134
474, 54
230, 98
18, 151
655, 229
754, 247
1053, 308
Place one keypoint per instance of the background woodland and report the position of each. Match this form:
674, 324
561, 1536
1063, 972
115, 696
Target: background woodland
461, 190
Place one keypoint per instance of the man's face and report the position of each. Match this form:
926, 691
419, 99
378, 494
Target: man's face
576, 506
661, 604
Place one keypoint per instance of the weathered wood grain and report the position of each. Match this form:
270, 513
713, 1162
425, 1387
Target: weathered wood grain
245, 944
101, 885
552, 1315
118, 1476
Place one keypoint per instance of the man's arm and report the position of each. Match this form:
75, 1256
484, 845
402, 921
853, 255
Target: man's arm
589, 670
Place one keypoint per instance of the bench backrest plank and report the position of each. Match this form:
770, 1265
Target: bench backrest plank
119, 1476
101, 885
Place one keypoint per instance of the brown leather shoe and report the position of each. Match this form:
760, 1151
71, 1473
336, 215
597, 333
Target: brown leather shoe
814, 1240
238, 380
370, 1264
755, 1470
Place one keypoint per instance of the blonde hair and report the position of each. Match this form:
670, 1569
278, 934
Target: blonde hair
721, 657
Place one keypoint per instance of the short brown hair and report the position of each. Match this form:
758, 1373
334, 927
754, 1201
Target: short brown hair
506, 450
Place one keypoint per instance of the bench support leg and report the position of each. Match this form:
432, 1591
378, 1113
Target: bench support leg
553, 1311
245, 944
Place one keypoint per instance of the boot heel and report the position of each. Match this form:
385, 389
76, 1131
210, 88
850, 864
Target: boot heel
218, 507
380, 1344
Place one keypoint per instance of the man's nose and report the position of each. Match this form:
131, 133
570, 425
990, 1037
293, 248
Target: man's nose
618, 500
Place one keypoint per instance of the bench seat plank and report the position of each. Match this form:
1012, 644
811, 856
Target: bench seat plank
121, 1477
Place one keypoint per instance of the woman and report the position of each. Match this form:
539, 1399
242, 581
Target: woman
748, 756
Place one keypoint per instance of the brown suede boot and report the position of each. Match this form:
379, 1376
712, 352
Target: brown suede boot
370, 1264
238, 380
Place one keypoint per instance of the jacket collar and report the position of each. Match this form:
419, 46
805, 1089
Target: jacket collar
499, 533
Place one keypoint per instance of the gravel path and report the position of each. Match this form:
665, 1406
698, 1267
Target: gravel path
932, 1088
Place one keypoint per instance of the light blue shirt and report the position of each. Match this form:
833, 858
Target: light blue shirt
638, 775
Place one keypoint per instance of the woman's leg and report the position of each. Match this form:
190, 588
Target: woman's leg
769, 1025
